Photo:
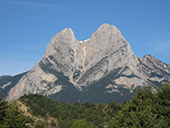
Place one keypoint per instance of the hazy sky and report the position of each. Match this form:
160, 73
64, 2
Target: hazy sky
26, 27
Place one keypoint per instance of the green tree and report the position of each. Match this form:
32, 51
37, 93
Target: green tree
163, 101
53, 123
15, 119
81, 123
40, 126
140, 112
3, 111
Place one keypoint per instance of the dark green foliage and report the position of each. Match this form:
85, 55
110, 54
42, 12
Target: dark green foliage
40, 126
10, 116
163, 102
15, 118
113, 108
145, 110
68, 114
39, 104
81, 123
52, 123
3, 111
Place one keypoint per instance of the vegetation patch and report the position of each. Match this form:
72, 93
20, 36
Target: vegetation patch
147, 109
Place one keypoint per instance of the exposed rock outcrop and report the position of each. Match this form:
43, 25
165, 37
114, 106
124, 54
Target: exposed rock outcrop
85, 65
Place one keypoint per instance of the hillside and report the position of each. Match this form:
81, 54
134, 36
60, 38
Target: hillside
96, 115
146, 109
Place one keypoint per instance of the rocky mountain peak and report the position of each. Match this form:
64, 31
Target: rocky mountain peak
106, 32
148, 56
103, 65
152, 62
107, 27
64, 38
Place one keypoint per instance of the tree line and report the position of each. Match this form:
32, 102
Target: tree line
147, 109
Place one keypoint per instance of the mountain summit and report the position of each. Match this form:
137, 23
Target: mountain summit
100, 69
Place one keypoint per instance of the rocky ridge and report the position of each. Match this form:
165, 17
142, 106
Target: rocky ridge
103, 65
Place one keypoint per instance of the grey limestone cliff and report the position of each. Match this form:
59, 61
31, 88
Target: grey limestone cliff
85, 65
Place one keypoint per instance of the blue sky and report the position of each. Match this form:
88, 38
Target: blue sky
26, 27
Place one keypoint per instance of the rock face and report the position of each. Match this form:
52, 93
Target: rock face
100, 69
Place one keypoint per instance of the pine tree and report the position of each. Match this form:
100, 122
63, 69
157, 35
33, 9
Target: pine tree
15, 119
141, 111
3, 108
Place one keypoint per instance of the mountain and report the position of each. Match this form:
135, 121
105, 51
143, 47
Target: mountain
7, 82
100, 69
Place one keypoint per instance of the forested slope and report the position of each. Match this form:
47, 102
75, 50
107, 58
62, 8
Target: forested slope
147, 109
